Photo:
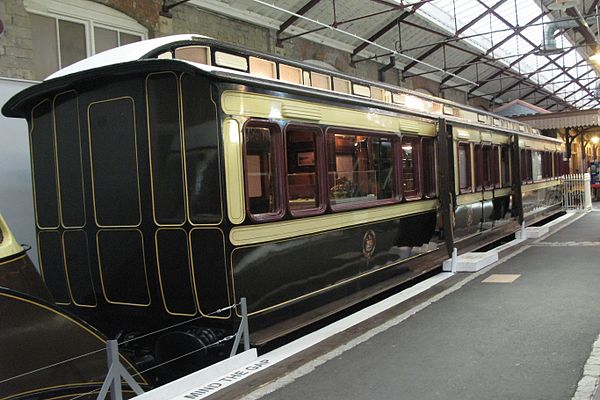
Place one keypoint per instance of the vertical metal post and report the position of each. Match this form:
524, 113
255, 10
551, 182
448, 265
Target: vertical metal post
517, 179
454, 260
587, 192
242, 331
245, 324
116, 371
112, 356
446, 182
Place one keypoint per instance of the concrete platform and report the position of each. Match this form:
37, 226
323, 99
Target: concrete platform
471, 262
525, 333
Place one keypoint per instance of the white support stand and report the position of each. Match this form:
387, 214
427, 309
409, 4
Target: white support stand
242, 330
454, 260
116, 371
587, 197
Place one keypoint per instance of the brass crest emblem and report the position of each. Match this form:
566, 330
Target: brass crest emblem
369, 243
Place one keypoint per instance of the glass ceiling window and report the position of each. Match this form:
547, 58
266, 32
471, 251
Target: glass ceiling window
486, 33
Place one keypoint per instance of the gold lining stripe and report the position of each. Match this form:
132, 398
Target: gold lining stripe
253, 234
540, 185
150, 149
228, 315
323, 289
62, 303
219, 162
43, 389
137, 168
12, 260
89, 265
160, 280
234, 174
62, 222
85, 328
143, 261
33, 169
271, 107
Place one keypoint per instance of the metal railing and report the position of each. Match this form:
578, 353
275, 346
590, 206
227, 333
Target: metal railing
117, 372
576, 192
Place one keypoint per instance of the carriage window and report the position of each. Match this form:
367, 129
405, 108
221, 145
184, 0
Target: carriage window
488, 163
114, 162
429, 189
262, 187
495, 167
260, 67
478, 163
165, 148
341, 85
464, 167
505, 165
557, 164
536, 165
68, 150
197, 54
290, 74
544, 164
411, 147
201, 152
44, 166
547, 164
526, 166
320, 81
360, 169
302, 167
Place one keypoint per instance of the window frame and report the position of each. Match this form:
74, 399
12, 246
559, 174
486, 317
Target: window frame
469, 187
434, 184
417, 193
508, 182
92, 15
320, 167
332, 131
277, 149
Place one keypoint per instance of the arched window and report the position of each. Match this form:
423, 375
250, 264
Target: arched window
66, 31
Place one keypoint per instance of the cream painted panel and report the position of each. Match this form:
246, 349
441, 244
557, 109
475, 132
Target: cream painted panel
262, 106
234, 175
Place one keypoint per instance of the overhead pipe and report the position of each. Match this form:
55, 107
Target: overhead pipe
549, 45
576, 20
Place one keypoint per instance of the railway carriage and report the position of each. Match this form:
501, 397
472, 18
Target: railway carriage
174, 176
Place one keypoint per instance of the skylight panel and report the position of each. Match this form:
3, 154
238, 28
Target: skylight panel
490, 30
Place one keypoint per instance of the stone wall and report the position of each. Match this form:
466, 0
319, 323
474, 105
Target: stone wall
16, 45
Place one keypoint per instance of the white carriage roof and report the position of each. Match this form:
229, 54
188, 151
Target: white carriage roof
118, 55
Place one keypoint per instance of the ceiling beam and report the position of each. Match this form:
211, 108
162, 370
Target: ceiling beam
458, 32
287, 23
388, 27
556, 91
530, 74
539, 48
516, 31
